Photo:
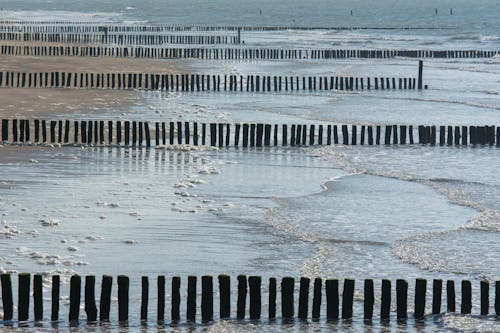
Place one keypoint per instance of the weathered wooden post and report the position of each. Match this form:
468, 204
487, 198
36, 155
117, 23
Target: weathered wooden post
420, 291
401, 299
105, 303
191, 299
437, 286
254, 283
287, 303
347, 299
272, 298
242, 297
332, 299
304, 298
450, 296
207, 299
385, 307
90, 306
74, 298
225, 296
144, 298
175, 311
369, 299
23, 297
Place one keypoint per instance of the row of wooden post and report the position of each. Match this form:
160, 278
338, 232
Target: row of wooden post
118, 39
139, 133
338, 304
200, 82
247, 53
89, 26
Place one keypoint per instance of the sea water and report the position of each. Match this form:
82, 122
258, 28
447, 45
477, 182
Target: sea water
338, 211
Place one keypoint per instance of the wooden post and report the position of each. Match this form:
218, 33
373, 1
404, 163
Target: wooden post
401, 299
225, 296
254, 284
347, 299
7, 302
316, 308
304, 298
385, 307
287, 304
23, 297
272, 298
497, 298
332, 299
90, 306
175, 313
369, 299
105, 303
5, 130
191, 299
450, 296
437, 286
420, 70
144, 299
485, 298
345, 135
74, 298
56, 281
37, 297
242, 297
160, 314
213, 135
207, 299
466, 297
420, 291
123, 298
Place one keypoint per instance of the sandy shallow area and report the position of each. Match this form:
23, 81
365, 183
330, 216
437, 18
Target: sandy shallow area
44, 102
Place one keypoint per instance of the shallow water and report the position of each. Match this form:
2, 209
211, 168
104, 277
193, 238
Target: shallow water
340, 211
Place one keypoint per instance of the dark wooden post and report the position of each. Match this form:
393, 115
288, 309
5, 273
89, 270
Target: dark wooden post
123, 298
466, 297
420, 292
7, 302
450, 296
242, 297
37, 297
160, 314
287, 304
401, 299
175, 313
347, 299
497, 297
207, 298
485, 298
385, 307
316, 309
56, 281
304, 298
332, 299
420, 71
105, 303
23, 297
254, 284
369, 299
225, 296
90, 306
437, 286
74, 298
191, 299
272, 298
144, 298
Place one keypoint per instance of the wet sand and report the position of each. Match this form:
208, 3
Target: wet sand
44, 102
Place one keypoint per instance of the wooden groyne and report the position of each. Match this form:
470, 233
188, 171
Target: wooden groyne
241, 53
200, 82
90, 26
143, 134
118, 39
333, 295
